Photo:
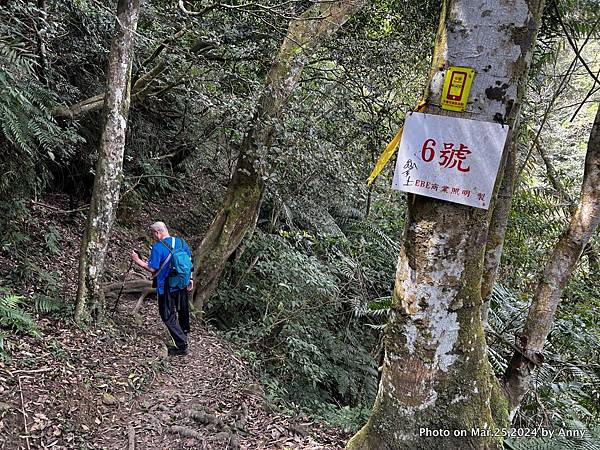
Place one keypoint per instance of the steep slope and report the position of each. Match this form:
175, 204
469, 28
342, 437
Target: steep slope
113, 386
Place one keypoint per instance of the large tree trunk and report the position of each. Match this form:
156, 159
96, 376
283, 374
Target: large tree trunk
238, 214
436, 375
107, 182
557, 271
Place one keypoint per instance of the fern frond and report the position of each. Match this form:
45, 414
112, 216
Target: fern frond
46, 304
13, 317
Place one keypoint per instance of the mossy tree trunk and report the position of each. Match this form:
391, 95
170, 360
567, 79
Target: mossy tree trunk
436, 375
239, 211
557, 271
497, 228
109, 167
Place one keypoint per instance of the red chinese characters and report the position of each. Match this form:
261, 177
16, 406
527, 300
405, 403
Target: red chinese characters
428, 152
450, 157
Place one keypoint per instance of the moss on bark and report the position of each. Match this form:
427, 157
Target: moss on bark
424, 390
234, 220
237, 216
437, 387
107, 182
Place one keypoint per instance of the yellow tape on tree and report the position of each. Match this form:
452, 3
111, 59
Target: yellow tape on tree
385, 156
390, 149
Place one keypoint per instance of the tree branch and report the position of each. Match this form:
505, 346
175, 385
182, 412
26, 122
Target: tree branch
161, 47
553, 176
572, 43
97, 102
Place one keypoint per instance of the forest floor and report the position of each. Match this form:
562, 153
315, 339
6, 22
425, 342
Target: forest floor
114, 387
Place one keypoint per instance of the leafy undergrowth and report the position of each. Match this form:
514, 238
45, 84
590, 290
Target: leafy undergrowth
113, 386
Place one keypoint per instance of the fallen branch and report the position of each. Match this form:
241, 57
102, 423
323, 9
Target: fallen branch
141, 86
96, 103
144, 287
58, 210
24, 414
128, 287
131, 436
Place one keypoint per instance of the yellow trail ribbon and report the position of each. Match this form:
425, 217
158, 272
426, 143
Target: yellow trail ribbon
385, 156
390, 149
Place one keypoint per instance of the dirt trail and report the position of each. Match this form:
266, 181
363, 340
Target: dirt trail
115, 388
209, 399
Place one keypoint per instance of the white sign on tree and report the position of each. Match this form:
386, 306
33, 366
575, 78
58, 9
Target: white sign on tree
449, 158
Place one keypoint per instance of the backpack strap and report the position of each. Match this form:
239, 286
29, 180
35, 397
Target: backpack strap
166, 261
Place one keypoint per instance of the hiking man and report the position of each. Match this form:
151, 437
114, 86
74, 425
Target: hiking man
171, 268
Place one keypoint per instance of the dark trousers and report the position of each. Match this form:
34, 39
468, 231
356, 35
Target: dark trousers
174, 311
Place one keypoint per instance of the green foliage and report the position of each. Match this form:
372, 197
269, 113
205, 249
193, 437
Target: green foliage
309, 295
563, 439
294, 313
24, 109
566, 388
31, 141
47, 296
48, 305
297, 300
347, 418
536, 220
52, 240
13, 319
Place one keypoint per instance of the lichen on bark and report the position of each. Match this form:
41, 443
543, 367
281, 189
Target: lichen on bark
436, 375
107, 182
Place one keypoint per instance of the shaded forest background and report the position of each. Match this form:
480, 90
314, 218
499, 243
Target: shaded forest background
305, 297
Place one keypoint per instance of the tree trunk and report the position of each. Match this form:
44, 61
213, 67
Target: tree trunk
40, 26
238, 214
557, 271
436, 376
497, 228
107, 182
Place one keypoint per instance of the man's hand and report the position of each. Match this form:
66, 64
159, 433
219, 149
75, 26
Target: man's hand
191, 285
144, 265
135, 257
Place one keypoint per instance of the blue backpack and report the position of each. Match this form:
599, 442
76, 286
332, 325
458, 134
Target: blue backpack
181, 265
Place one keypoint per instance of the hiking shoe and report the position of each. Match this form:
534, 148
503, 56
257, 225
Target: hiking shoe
174, 351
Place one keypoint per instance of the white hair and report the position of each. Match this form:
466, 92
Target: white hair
159, 226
